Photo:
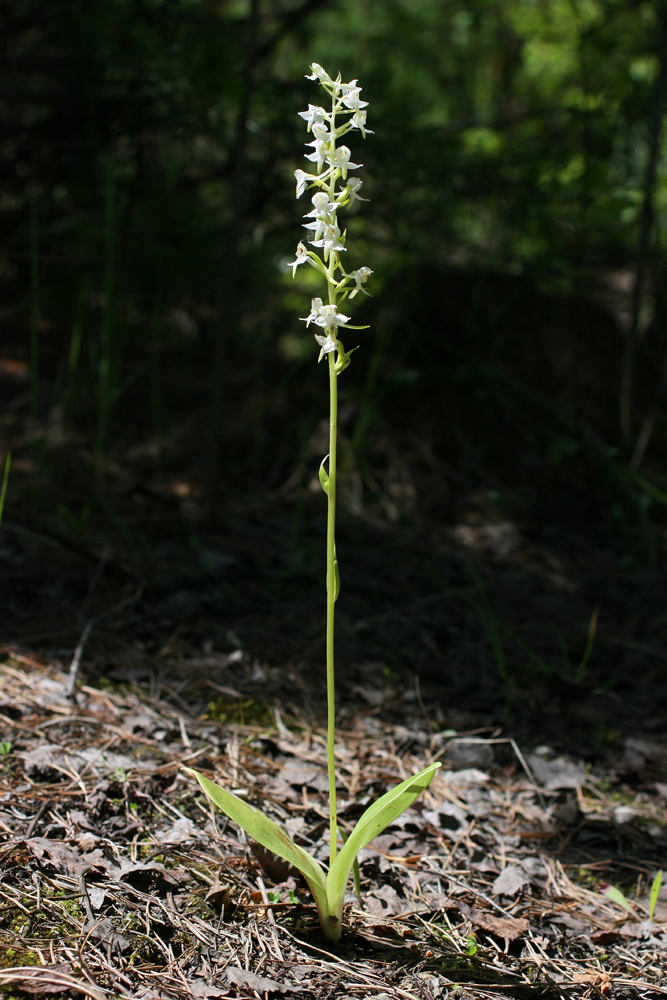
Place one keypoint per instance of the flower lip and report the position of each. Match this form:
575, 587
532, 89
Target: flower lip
327, 237
341, 158
323, 207
320, 154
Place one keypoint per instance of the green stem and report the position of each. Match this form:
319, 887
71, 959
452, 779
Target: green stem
331, 597
331, 541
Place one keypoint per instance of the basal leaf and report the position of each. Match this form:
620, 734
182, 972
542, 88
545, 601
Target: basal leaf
376, 818
268, 833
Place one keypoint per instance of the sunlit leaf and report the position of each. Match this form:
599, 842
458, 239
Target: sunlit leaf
376, 818
267, 833
616, 896
655, 889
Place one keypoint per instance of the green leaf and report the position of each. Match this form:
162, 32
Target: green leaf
376, 818
343, 357
267, 833
655, 889
355, 866
616, 896
324, 476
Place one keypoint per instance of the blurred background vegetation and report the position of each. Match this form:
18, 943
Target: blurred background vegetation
516, 364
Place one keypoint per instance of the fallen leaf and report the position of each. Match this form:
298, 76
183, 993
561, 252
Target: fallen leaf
469, 776
604, 937
385, 902
510, 881
558, 773
250, 981
509, 928
600, 980
182, 830
41, 979
104, 930
276, 868
219, 895
63, 859
200, 988
142, 874
47, 979
448, 817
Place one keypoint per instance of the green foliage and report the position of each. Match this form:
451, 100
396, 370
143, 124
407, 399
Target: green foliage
328, 889
616, 896
655, 890
239, 711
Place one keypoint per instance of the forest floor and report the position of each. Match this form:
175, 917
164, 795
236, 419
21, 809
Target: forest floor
526, 659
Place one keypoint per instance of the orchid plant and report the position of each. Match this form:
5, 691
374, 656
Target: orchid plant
334, 190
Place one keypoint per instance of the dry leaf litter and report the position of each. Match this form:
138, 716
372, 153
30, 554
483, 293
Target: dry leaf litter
118, 879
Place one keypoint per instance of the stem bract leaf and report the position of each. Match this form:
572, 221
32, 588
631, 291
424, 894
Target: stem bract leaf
377, 817
324, 475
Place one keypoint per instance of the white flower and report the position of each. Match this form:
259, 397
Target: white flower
319, 154
328, 344
352, 95
301, 258
361, 276
319, 228
314, 116
302, 179
324, 227
325, 316
341, 158
315, 306
319, 73
358, 120
327, 238
323, 207
330, 318
350, 190
320, 131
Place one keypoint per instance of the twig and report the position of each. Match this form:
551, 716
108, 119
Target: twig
76, 659
477, 892
46, 804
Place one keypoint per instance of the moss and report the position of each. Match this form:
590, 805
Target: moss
17, 957
18, 923
238, 711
